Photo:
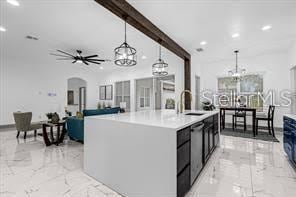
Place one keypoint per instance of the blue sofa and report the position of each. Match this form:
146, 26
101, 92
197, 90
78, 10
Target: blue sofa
75, 126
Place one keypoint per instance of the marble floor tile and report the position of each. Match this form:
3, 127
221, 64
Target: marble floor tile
247, 167
240, 167
28, 168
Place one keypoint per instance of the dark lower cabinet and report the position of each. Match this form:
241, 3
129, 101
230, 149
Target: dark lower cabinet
183, 182
206, 151
183, 156
216, 131
210, 138
183, 136
183, 161
289, 138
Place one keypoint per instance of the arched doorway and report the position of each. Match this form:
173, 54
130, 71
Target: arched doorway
76, 95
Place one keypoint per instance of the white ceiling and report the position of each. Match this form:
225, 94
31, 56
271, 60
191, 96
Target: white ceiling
83, 24
191, 21
67, 25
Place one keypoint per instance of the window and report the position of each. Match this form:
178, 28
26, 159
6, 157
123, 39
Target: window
144, 97
122, 93
248, 90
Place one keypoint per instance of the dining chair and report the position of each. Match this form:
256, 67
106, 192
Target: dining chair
239, 114
23, 123
269, 118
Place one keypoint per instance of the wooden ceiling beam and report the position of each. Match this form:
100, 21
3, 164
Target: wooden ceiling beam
127, 12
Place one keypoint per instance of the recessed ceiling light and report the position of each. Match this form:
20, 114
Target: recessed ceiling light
101, 67
144, 57
266, 27
236, 35
2, 29
13, 2
203, 43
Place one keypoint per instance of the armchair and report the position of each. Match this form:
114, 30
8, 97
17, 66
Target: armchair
23, 123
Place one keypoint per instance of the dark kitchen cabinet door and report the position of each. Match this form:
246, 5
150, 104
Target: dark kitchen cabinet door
288, 137
216, 131
183, 156
205, 144
211, 139
183, 136
183, 182
183, 161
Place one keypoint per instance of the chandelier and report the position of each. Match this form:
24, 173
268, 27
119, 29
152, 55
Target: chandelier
160, 68
237, 73
125, 55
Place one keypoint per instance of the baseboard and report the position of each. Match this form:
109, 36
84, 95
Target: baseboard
7, 126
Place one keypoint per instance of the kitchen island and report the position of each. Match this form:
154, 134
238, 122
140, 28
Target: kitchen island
155, 153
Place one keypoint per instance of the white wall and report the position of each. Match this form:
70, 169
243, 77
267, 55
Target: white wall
195, 71
292, 55
273, 65
25, 87
292, 60
143, 70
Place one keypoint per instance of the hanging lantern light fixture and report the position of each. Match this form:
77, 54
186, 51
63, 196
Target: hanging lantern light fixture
125, 55
160, 68
237, 74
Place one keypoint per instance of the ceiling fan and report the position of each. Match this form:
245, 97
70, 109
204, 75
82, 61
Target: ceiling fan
78, 58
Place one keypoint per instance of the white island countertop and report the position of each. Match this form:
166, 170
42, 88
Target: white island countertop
158, 118
136, 153
292, 116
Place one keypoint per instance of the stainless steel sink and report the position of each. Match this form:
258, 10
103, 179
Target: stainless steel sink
194, 114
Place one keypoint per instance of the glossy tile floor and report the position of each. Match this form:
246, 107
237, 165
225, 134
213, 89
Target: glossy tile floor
240, 167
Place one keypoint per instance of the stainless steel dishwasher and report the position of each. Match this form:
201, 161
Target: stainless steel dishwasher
196, 150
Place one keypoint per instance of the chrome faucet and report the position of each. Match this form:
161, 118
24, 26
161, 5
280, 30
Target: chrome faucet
181, 99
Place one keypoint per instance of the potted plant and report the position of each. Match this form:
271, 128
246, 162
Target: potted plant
55, 117
207, 106
49, 116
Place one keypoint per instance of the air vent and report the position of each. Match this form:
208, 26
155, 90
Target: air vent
199, 50
31, 37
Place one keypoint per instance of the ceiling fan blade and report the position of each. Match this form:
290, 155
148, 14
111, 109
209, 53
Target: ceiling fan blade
96, 60
59, 55
93, 62
65, 53
84, 62
91, 56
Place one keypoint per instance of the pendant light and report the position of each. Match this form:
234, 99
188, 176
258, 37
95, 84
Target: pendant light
160, 68
237, 73
125, 55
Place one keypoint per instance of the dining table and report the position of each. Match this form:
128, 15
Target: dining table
246, 109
